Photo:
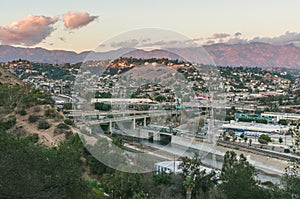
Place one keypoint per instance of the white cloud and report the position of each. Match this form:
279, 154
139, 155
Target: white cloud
29, 31
75, 20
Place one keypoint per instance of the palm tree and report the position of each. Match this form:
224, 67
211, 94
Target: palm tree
250, 142
188, 184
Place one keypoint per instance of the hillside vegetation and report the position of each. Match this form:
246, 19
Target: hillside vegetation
28, 112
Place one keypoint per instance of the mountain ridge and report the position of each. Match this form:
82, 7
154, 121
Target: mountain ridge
222, 54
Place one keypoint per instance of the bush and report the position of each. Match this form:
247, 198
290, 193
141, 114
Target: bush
34, 138
9, 122
68, 134
229, 117
102, 106
32, 118
264, 139
286, 150
68, 122
36, 109
50, 113
43, 124
62, 126
22, 112
67, 106
283, 122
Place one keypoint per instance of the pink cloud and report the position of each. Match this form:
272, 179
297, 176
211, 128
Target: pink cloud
74, 20
29, 31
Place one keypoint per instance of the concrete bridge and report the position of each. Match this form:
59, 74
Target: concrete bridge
120, 116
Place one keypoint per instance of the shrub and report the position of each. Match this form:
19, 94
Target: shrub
280, 140
68, 122
68, 134
58, 131
32, 118
102, 106
229, 117
286, 150
36, 109
67, 106
43, 124
283, 122
9, 122
33, 138
62, 126
22, 112
50, 113
264, 139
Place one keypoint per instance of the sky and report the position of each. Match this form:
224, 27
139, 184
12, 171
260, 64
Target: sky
82, 25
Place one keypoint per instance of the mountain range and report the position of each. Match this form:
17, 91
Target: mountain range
250, 54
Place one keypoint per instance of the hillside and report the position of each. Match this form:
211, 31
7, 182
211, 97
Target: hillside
29, 113
255, 54
7, 78
9, 53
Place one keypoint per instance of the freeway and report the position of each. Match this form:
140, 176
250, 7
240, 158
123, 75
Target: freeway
126, 118
78, 113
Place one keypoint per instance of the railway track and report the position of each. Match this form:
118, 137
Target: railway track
258, 151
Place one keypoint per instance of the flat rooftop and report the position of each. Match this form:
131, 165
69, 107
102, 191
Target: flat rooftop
252, 126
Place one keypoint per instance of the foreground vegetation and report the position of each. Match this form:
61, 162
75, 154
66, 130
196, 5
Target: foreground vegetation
29, 170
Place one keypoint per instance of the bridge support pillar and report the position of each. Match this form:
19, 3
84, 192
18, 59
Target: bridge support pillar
110, 126
145, 121
133, 123
156, 137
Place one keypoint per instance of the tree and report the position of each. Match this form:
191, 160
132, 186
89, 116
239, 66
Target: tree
238, 178
203, 181
250, 142
283, 122
67, 106
280, 140
33, 171
103, 95
296, 135
264, 139
118, 141
161, 98
161, 179
123, 184
188, 184
201, 122
102, 106
291, 180
229, 117
232, 134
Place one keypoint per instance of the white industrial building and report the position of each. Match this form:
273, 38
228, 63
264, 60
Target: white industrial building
257, 127
281, 116
171, 166
168, 167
